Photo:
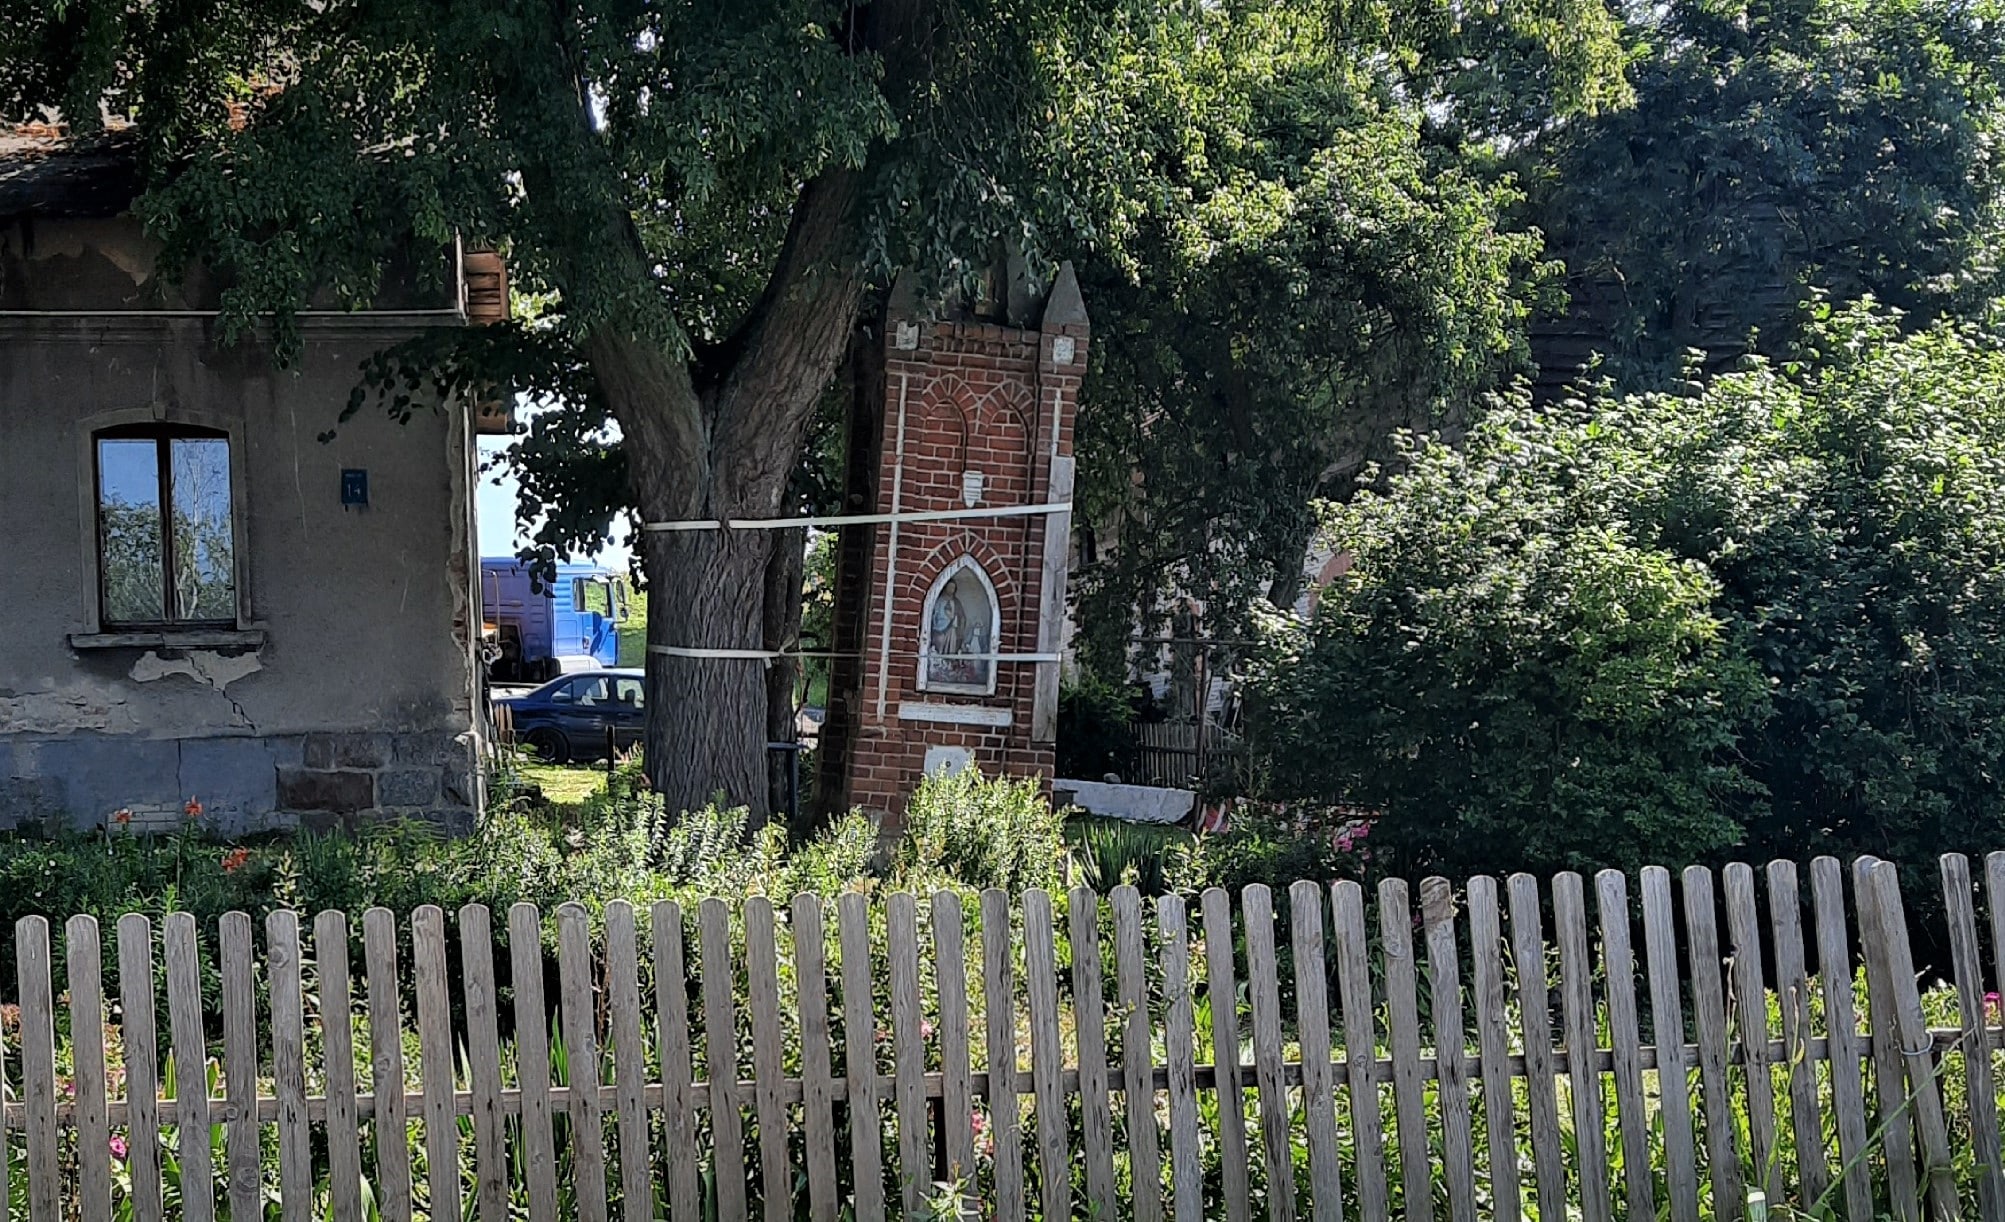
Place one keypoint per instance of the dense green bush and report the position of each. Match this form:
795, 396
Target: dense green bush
964, 833
1770, 615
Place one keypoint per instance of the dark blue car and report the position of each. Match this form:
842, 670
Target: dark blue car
577, 716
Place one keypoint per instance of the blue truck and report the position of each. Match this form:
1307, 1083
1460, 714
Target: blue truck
533, 632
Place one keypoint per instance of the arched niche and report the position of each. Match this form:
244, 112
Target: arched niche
959, 626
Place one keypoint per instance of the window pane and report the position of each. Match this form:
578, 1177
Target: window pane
595, 596
632, 693
205, 584
129, 530
591, 691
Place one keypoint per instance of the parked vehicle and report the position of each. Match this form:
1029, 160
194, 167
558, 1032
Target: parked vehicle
577, 716
535, 632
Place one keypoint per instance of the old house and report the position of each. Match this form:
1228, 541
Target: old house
206, 606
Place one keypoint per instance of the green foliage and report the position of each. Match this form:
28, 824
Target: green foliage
1292, 268
981, 833
1115, 852
1846, 144
1094, 738
1649, 628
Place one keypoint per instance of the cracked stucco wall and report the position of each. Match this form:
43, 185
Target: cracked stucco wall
364, 614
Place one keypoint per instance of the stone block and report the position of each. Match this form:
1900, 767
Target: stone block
325, 752
235, 780
407, 787
307, 789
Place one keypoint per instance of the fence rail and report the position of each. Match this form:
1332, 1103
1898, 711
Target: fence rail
1498, 1049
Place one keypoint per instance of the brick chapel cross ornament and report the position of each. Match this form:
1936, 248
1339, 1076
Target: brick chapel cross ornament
949, 616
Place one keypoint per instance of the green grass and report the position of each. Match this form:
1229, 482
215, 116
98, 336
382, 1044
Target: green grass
633, 632
564, 784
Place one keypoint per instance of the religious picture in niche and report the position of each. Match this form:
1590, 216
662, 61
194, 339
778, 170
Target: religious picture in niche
960, 632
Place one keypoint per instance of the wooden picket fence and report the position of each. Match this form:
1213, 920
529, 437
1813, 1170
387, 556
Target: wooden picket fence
1663, 1085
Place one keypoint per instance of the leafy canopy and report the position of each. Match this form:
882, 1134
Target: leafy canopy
1647, 628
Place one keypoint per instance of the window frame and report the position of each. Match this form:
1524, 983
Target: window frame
163, 434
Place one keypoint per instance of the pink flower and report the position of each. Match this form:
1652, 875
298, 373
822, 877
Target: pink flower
978, 1122
925, 1028
1993, 1004
118, 1148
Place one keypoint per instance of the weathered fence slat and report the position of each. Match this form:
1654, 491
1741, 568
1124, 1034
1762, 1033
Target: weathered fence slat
860, 1057
1577, 1026
1047, 1058
579, 1016
1180, 1048
1493, 1045
1618, 959
720, 1058
83, 955
1312, 1022
1535, 1013
1138, 1099
762, 971
1360, 1049
671, 986
1967, 963
1222, 990
1792, 984
1750, 1012
87, 1148
1848, 1096
483, 1053
386, 1053
1709, 1024
1451, 1046
999, 996
957, 1089
337, 1021
142, 1068
240, 1064
817, 1081
436, 1070
1089, 1012
1402, 1020
1667, 1010
532, 1055
1887, 927
908, 1051
1889, 1088
295, 1136
38, 1063
1263, 987
629, 1040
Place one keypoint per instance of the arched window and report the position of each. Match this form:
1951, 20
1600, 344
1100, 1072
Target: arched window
958, 633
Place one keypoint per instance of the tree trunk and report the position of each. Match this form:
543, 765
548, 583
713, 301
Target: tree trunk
782, 632
706, 728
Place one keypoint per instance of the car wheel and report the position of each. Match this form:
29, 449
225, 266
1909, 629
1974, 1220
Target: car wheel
548, 744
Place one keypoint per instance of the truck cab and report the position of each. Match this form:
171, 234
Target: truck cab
534, 631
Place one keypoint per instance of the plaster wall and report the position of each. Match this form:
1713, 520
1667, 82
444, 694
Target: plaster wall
348, 687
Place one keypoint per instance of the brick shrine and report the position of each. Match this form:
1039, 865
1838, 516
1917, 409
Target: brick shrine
947, 631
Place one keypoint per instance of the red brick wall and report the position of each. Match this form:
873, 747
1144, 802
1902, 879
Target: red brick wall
974, 396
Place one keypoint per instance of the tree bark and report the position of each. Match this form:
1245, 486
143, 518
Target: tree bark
726, 448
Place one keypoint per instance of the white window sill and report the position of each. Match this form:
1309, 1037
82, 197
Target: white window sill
171, 638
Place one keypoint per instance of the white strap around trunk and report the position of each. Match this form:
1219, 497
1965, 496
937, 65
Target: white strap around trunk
863, 519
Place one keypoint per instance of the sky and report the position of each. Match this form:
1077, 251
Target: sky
495, 506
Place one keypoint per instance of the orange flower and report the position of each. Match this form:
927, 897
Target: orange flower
234, 860
193, 809
122, 817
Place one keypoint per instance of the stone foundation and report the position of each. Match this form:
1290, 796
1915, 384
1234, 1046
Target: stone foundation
243, 784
